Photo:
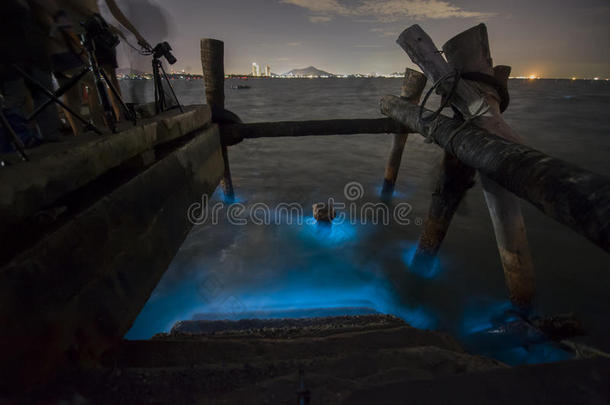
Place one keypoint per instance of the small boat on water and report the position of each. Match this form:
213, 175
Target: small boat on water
240, 87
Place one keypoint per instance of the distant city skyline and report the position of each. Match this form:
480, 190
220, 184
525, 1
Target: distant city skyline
545, 38
257, 71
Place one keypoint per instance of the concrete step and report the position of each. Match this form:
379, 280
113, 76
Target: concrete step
368, 359
233, 360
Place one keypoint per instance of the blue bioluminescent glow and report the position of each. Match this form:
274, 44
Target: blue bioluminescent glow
396, 194
163, 310
493, 328
484, 315
296, 267
427, 273
334, 234
277, 313
325, 281
219, 195
417, 317
299, 290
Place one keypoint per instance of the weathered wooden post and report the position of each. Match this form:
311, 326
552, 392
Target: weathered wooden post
412, 87
469, 52
212, 62
453, 182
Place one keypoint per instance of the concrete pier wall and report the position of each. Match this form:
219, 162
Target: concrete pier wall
70, 298
30, 186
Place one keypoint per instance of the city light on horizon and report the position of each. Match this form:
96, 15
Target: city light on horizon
530, 39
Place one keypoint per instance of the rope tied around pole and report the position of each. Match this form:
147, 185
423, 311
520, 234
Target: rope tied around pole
446, 100
480, 112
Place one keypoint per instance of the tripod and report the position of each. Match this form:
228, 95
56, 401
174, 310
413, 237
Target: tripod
103, 83
54, 97
158, 75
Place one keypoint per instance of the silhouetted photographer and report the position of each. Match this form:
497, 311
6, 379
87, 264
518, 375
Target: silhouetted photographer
69, 41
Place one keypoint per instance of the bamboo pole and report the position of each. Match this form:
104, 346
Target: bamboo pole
412, 87
575, 197
235, 133
212, 62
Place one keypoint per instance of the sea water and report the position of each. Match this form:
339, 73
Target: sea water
289, 264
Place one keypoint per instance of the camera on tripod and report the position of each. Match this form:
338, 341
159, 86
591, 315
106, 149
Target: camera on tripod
99, 35
165, 50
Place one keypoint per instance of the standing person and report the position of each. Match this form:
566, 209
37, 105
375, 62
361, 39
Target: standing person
78, 11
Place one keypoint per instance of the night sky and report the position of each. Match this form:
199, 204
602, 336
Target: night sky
548, 38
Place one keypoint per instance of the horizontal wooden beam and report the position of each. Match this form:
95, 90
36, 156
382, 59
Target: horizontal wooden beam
573, 196
235, 133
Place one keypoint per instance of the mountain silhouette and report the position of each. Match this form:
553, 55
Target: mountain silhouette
308, 71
